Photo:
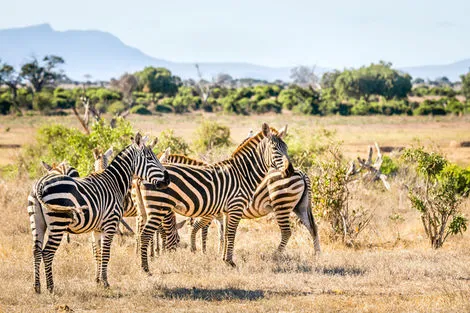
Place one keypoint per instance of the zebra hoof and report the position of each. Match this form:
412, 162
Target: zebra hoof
37, 289
230, 263
106, 285
50, 289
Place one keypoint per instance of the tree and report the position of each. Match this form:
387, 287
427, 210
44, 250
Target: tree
12, 79
223, 79
466, 85
43, 73
304, 75
376, 79
126, 84
154, 80
418, 81
437, 194
329, 78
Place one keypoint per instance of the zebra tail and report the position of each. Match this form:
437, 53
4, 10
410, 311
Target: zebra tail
305, 206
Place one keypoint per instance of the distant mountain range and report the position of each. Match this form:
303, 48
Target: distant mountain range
103, 56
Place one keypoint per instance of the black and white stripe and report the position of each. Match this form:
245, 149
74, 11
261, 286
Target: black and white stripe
93, 203
225, 187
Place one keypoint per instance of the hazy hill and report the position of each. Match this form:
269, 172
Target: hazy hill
103, 56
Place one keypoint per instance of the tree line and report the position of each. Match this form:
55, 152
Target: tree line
373, 89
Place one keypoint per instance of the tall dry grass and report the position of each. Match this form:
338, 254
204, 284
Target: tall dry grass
391, 268
382, 274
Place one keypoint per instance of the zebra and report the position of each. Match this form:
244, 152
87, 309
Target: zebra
93, 203
224, 187
133, 200
275, 194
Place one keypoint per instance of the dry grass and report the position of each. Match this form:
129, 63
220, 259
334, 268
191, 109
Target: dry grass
382, 274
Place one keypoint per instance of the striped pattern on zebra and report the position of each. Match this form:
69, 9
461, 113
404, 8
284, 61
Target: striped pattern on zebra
224, 187
275, 194
133, 200
93, 203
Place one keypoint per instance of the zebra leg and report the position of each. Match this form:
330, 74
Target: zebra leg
152, 245
204, 232
161, 233
96, 243
231, 224
200, 223
282, 218
155, 241
145, 236
138, 227
38, 230
48, 253
106, 240
220, 222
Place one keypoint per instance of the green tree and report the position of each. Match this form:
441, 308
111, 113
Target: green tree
12, 80
466, 85
159, 79
437, 195
43, 73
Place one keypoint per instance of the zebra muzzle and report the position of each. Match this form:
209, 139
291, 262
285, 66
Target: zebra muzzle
162, 184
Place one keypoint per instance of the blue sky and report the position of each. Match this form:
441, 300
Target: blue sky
334, 33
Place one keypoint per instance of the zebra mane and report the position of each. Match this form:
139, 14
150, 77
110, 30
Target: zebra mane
180, 158
259, 136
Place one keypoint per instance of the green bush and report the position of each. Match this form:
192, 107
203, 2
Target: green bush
305, 148
140, 109
211, 135
116, 107
388, 167
267, 105
56, 143
167, 139
437, 194
43, 102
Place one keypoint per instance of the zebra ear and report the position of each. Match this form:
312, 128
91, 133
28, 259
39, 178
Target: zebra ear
46, 166
109, 153
164, 156
250, 133
138, 139
283, 132
96, 154
153, 143
266, 130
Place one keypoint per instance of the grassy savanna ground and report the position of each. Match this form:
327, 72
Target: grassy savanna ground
392, 269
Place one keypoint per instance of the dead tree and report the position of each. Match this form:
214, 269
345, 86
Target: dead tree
372, 171
203, 89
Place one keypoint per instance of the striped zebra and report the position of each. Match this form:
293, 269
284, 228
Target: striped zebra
93, 203
224, 187
275, 194
132, 206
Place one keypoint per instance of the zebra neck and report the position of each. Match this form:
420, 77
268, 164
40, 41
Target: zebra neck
121, 170
251, 168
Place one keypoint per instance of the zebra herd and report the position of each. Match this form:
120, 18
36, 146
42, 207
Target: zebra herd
256, 180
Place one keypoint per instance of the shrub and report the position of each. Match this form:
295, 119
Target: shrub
167, 139
116, 107
56, 143
330, 193
210, 135
267, 105
43, 101
140, 109
305, 148
437, 195
388, 167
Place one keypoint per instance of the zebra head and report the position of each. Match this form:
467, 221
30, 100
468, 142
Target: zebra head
276, 154
148, 167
